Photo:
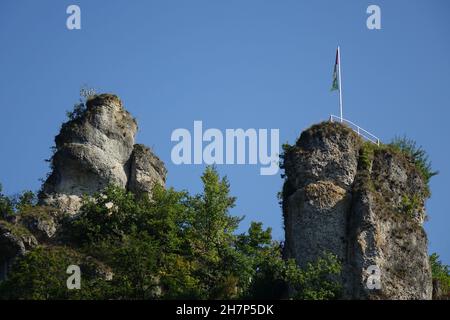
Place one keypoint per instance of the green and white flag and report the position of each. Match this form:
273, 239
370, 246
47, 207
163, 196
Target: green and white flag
335, 84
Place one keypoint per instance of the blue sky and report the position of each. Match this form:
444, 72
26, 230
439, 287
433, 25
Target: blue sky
231, 64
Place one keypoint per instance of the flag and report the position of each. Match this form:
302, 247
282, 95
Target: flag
335, 85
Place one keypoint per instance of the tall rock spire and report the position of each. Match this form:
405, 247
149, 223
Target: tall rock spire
347, 197
96, 148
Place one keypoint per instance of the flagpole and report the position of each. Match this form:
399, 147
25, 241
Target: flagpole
340, 81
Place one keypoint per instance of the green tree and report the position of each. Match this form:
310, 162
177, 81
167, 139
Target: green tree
134, 262
441, 273
172, 245
211, 234
6, 205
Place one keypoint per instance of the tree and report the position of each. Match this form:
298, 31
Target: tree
441, 274
79, 108
12, 204
170, 246
6, 205
210, 234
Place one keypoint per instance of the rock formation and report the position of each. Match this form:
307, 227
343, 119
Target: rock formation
15, 241
21, 233
361, 202
353, 199
96, 149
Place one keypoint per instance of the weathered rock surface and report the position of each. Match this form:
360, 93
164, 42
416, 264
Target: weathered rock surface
338, 199
97, 149
93, 150
15, 241
20, 233
146, 170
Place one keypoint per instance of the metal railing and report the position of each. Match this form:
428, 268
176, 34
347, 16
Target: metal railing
360, 131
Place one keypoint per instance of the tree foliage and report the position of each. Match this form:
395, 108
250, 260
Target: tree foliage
6, 205
441, 273
417, 154
174, 245
79, 108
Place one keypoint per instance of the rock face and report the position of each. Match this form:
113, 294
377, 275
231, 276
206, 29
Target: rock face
93, 149
42, 222
15, 241
96, 148
353, 199
146, 170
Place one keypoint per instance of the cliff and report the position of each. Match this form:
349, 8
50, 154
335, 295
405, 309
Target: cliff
96, 148
361, 202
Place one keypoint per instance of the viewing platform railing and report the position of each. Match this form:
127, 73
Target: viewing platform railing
360, 131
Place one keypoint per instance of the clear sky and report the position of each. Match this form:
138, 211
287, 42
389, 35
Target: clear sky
232, 64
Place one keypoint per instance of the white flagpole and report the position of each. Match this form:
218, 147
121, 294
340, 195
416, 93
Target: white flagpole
340, 82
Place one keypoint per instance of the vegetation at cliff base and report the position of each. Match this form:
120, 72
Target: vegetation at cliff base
6, 205
417, 155
441, 276
11, 205
175, 245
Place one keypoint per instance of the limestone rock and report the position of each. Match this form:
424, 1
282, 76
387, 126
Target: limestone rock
96, 149
42, 222
15, 241
146, 170
381, 233
335, 202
